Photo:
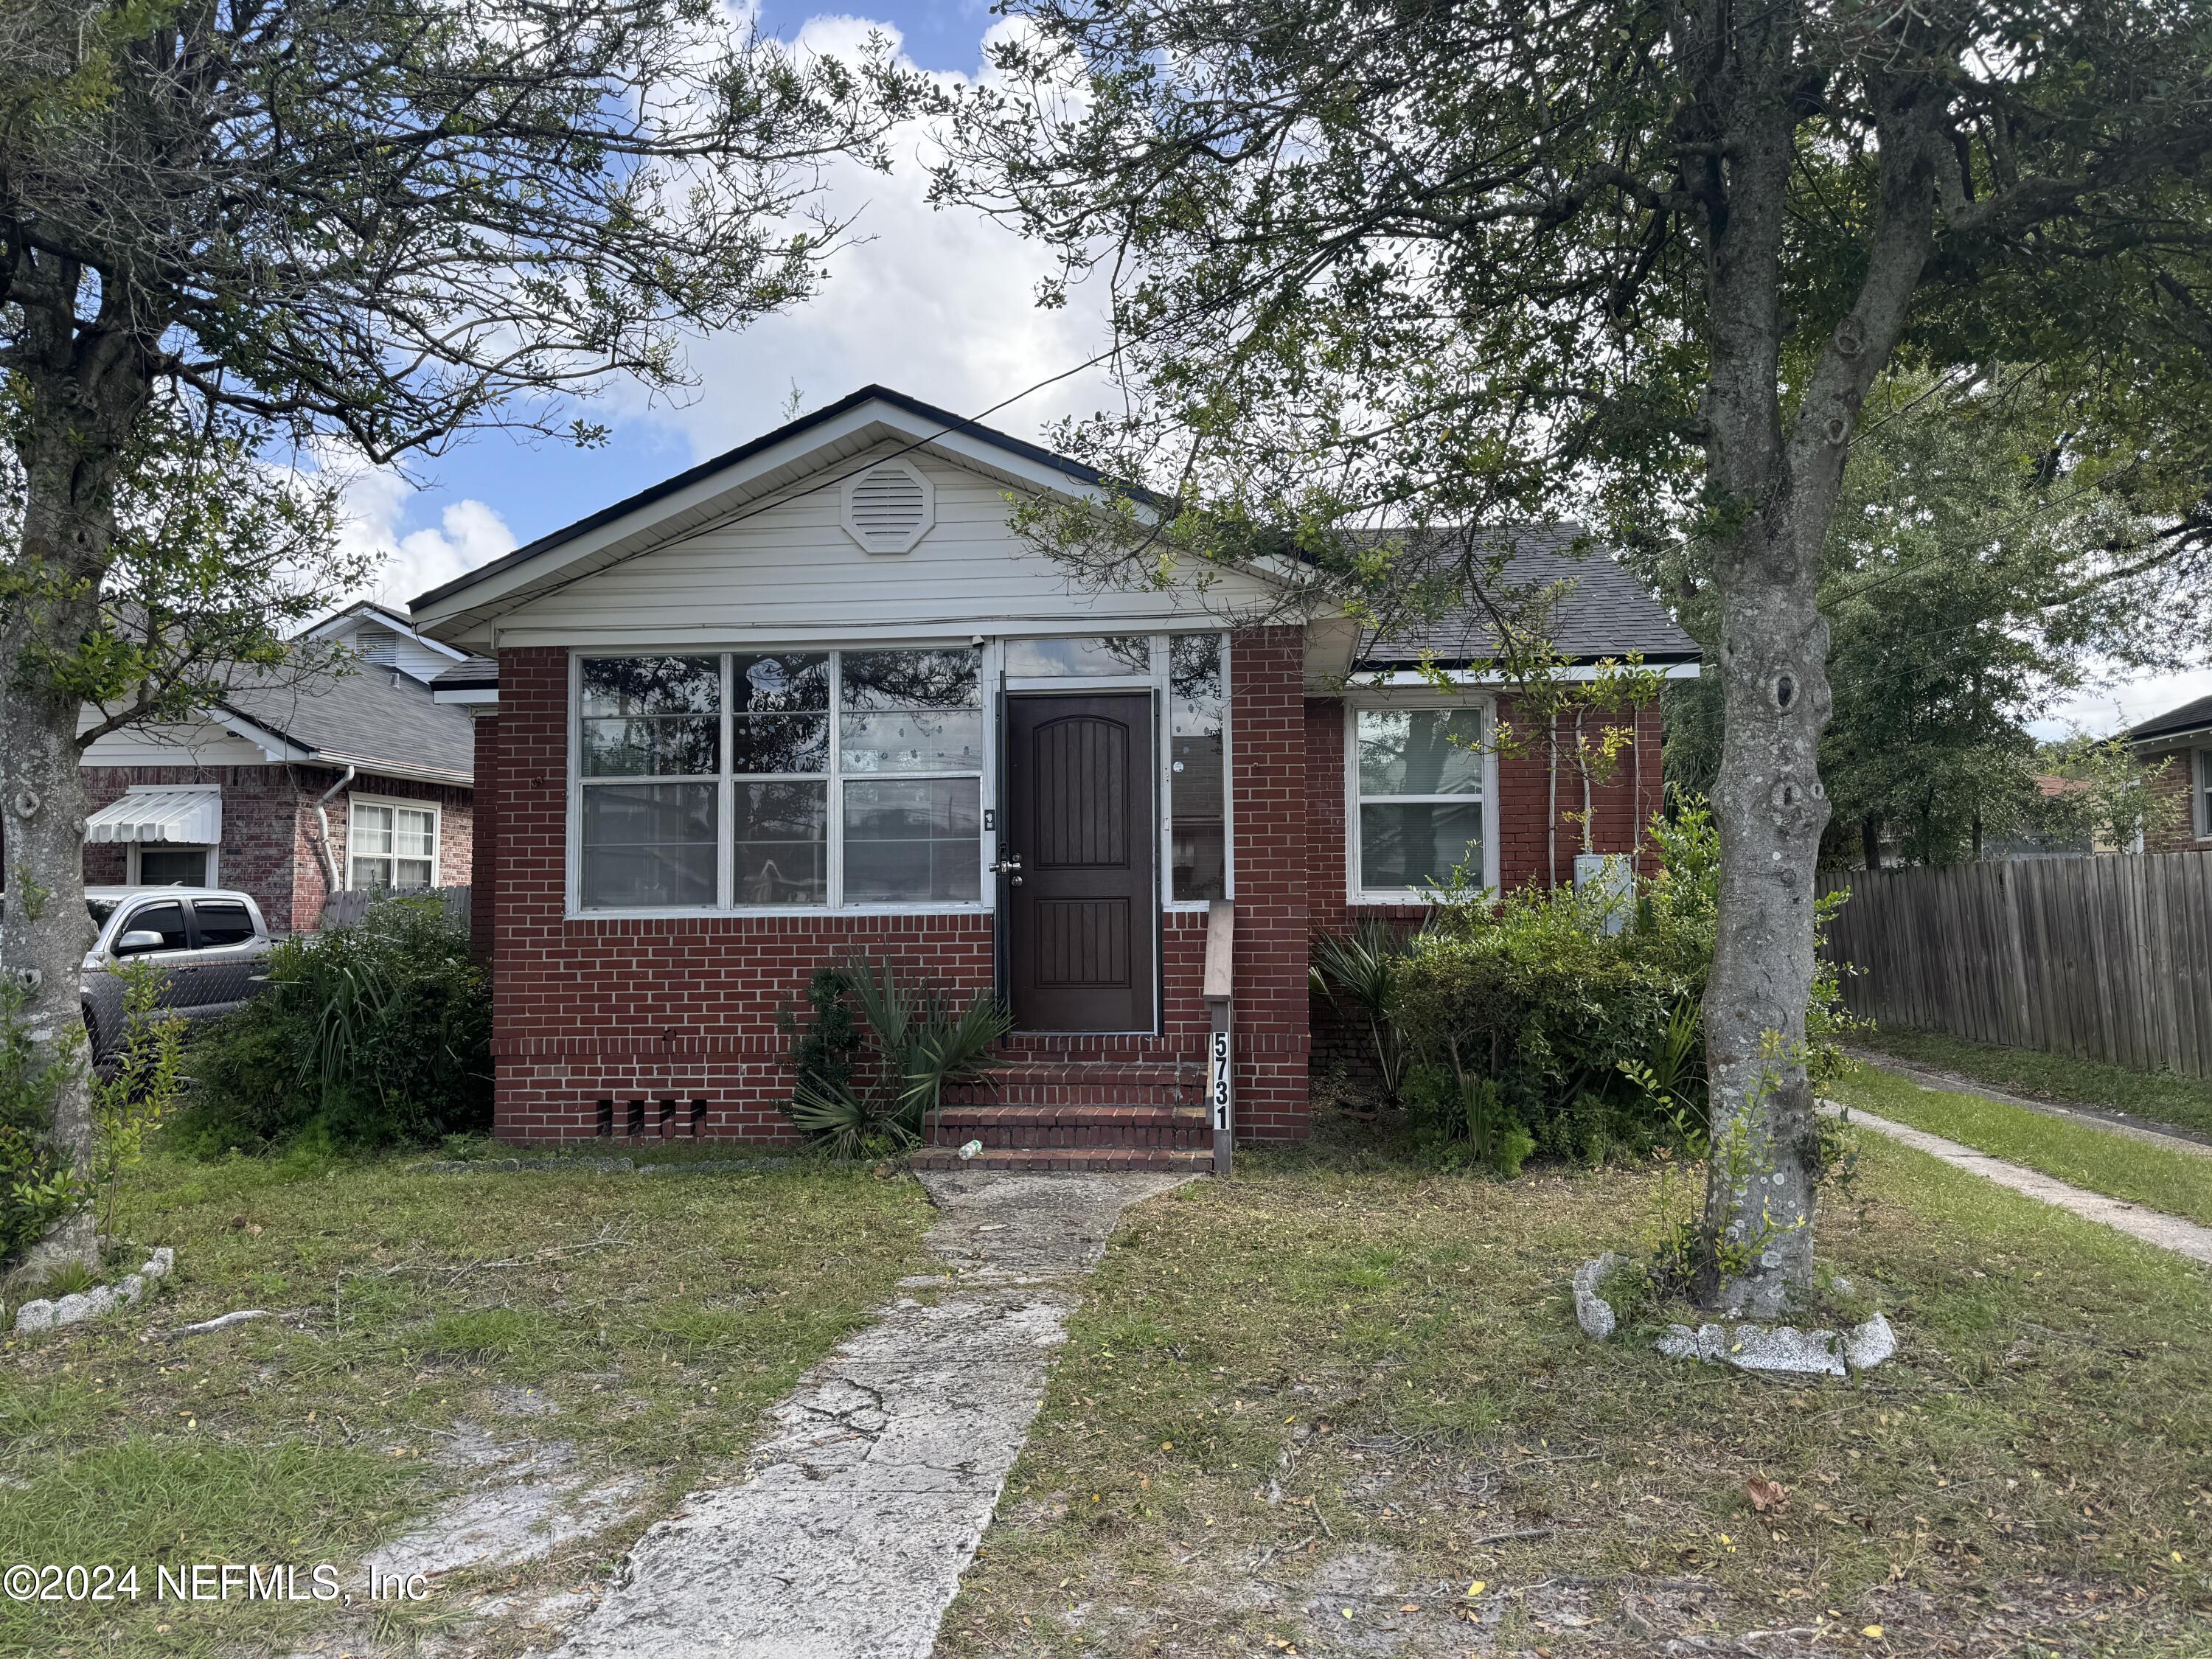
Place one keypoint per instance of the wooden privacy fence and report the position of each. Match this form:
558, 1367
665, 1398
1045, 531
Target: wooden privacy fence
348, 905
2101, 958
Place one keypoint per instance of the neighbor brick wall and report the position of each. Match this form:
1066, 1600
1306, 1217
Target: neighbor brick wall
685, 1009
456, 832
2179, 835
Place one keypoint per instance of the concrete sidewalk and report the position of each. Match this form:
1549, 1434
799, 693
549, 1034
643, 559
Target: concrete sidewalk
2168, 1232
848, 1533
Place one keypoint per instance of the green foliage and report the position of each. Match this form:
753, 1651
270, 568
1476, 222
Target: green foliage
1590, 1036
374, 1035
2119, 798
132, 1098
35, 1191
923, 1042
1359, 973
1461, 1122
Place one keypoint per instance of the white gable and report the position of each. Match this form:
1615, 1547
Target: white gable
795, 567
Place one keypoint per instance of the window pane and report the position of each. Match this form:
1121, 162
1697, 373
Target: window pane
172, 867
914, 679
1197, 855
917, 842
413, 873
1407, 844
1118, 654
166, 920
782, 832
782, 713
372, 831
222, 922
923, 740
649, 844
417, 833
1420, 751
651, 716
371, 873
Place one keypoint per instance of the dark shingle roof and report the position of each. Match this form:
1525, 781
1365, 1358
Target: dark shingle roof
470, 674
1607, 612
2175, 722
374, 717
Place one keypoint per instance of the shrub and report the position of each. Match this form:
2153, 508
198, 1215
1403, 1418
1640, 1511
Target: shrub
923, 1042
374, 1035
1358, 973
34, 1191
1588, 1031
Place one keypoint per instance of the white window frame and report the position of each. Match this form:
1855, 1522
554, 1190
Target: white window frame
1486, 705
437, 829
2200, 792
833, 780
209, 872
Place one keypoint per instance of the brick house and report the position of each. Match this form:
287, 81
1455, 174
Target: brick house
813, 699
287, 791
2183, 735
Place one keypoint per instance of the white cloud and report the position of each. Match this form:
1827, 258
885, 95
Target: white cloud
468, 533
938, 303
2103, 709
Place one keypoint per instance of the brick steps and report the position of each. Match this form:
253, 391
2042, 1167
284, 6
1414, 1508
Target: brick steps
1050, 1159
1042, 1126
1067, 1083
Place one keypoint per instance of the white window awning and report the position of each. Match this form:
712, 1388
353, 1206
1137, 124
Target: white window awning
188, 817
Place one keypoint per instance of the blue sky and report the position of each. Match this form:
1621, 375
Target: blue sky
938, 304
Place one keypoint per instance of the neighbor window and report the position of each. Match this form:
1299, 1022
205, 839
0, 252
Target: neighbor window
1418, 801
2204, 794
1198, 703
171, 866
854, 778
391, 845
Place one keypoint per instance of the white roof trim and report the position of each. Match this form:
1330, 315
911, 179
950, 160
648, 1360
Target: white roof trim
188, 814
399, 624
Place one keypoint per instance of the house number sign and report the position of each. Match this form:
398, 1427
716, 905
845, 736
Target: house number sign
1218, 1079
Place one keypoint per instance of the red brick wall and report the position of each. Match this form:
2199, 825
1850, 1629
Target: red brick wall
685, 1009
2178, 833
484, 850
270, 832
1526, 844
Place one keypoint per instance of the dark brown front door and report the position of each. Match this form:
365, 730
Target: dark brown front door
1083, 920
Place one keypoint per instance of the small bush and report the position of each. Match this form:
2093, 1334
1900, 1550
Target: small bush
34, 1190
376, 1034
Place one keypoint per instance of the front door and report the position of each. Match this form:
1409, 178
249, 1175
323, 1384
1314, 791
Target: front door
1084, 917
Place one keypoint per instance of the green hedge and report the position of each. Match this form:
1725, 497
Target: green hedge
376, 1034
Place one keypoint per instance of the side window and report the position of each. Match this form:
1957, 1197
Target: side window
221, 921
166, 920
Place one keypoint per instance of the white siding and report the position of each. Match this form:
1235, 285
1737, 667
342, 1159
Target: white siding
379, 644
790, 566
200, 743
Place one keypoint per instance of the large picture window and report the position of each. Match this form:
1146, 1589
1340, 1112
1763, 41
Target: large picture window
1419, 799
851, 778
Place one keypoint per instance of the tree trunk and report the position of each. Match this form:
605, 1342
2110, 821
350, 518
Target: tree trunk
70, 455
1770, 810
1870, 841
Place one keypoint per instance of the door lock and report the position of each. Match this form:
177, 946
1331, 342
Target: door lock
1010, 867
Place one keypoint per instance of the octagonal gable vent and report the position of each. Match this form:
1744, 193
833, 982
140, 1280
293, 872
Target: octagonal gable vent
891, 507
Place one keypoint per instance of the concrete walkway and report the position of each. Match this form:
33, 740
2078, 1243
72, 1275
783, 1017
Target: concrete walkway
2168, 1232
2170, 1136
847, 1536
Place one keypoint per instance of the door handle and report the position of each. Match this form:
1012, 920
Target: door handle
1010, 867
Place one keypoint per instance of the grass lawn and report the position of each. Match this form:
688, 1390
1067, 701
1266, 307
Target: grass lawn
2115, 1164
657, 1314
2160, 1096
1341, 1408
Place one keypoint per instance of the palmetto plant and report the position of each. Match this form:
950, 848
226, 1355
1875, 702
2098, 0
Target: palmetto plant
925, 1043
1360, 972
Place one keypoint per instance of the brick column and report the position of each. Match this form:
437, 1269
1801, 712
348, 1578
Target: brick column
1267, 739
483, 858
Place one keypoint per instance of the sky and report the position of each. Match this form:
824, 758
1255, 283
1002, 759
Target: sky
937, 304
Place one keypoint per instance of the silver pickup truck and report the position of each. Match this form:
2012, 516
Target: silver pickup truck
208, 942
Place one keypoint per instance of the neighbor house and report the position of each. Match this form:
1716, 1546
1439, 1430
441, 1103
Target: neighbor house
298, 785
2183, 737
813, 699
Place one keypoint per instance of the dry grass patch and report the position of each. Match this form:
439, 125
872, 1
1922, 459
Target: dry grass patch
1341, 1408
643, 1321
